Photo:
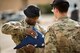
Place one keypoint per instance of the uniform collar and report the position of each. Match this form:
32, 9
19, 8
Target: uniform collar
61, 18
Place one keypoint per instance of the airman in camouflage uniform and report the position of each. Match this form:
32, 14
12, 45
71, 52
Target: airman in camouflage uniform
64, 35
18, 29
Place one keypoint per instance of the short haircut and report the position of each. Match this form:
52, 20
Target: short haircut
62, 6
75, 5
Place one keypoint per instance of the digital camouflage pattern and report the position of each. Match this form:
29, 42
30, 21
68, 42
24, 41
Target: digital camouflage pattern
63, 37
17, 30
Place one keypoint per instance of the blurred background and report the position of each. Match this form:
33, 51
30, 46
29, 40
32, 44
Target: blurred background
11, 10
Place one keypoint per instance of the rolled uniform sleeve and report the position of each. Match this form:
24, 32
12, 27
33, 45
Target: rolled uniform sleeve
50, 42
12, 28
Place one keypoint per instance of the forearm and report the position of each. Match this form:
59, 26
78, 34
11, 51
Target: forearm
7, 28
19, 30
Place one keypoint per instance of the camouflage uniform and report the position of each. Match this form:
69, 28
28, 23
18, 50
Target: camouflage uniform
63, 37
19, 33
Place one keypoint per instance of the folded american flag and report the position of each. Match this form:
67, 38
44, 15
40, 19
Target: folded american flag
38, 42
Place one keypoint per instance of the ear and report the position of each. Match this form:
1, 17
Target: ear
56, 10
